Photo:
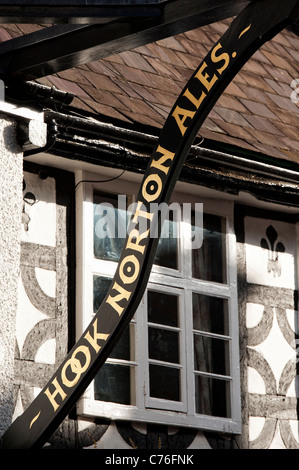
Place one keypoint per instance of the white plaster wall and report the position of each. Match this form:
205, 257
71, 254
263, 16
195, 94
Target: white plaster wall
11, 175
271, 327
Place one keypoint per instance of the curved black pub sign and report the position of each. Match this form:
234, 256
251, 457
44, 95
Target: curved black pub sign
256, 24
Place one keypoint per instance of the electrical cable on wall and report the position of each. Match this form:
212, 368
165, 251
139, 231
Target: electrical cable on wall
124, 152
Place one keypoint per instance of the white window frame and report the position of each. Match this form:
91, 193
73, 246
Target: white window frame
147, 409
156, 403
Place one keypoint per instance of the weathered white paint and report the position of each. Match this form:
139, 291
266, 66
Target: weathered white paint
257, 257
27, 316
47, 352
254, 314
41, 211
11, 173
256, 383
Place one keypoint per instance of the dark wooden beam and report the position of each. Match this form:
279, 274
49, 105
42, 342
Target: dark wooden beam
78, 15
52, 50
74, 11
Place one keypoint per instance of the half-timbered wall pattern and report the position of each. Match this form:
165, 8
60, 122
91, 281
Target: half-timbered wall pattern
268, 308
267, 283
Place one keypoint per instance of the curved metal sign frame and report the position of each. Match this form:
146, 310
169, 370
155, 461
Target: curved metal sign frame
257, 23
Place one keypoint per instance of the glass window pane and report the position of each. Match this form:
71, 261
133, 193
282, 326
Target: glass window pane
209, 261
100, 289
110, 224
163, 345
210, 314
162, 308
212, 396
167, 250
122, 348
211, 355
164, 382
113, 383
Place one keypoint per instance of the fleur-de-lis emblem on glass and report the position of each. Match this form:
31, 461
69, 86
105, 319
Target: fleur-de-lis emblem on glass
274, 247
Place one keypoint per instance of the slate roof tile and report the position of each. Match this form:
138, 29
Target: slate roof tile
172, 43
282, 102
67, 85
259, 109
165, 69
255, 94
136, 60
234, 129
101, 67
278, 153
200, 35
232, 116
253, 81
280, 74
265, 125
279, 61
213, 126
141, 86
4, 35
286, 130
230, 102
235, 89
291, 143
102, 96
269, 139
256, 67
287, 117
280, 88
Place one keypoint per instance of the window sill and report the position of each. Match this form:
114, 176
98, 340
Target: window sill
87, 408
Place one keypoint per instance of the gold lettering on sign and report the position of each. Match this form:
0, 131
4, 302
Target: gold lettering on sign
166, 155
180, 115
34, 419
244, 31
135, 245
127, 265
93, 340
193, 100
207, 80
141, 213
129, 268
75, 366
218, 58
58, 391
79, 361
122, 294
204, 77
154, 183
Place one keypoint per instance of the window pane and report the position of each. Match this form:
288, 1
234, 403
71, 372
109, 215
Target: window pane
209, 261
212, 396
162, 308
113, 383
164, 382
122, 349
210, 314
163, 345
110, 223
211, 355
167, 250
100, 289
